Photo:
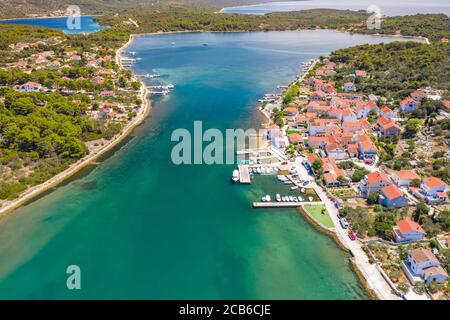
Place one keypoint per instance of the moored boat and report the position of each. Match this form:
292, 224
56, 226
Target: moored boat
235, 176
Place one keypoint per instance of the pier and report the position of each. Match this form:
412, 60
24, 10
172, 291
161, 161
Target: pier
244, 174
283, 204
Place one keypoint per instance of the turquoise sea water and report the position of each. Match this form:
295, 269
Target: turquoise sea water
387, 7
140, 227
87, 24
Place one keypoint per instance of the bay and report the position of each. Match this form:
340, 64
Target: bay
141, 227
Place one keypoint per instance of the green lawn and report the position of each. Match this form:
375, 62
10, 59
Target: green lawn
316, 212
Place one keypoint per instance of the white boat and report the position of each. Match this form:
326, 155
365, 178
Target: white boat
235, 177
303, 190
294, 188
268, 198
278, 197
263, 170
250, 170
283, 198
258, 170
300, 198
287, 182
310, 199
291, 198
281, 178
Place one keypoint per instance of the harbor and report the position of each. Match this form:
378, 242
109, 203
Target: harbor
283, 204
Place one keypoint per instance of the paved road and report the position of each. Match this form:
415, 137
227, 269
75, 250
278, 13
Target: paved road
374, 278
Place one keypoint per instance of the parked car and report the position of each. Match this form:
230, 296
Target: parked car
351, 235
344, 223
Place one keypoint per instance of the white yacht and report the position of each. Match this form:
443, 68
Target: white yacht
235, 177
278, 197
294, 188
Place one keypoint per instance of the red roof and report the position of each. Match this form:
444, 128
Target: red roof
407, 100
407, 225
385, 110
392, 192
291, 110
295, 137
407, 174
330, 177
377, 176
433, 182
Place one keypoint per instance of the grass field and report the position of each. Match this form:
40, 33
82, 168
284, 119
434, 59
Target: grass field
316, 212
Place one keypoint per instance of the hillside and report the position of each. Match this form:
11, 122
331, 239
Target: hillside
22, 8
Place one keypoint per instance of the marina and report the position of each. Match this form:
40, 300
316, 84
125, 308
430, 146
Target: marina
282, 204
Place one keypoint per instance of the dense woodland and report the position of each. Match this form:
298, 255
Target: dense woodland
396, 69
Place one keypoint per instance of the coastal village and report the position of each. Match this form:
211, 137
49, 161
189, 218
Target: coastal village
84, 85
329, 140
366, 168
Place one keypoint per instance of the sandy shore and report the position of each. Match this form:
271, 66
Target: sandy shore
37, 190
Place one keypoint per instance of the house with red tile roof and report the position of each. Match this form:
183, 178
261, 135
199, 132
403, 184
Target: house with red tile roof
31, 86
367, 149
317, 95
105, 94
418, 95
434, 189
351, 127
331, 179
423, 263
317, 107
352, 150
387, 113
348, 115
407, 230
295, 138
350, 96
335, 113
374, 182
336, 151
317, 142
389, 129
360, 73
403, 178
446, 105
409, 105
392, 196
348, 86
318, 127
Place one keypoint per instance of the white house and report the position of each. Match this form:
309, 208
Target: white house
374, 182
408, 230
336, 151
409, 105
31, 87
387, 113
434, 189
423, 263
403, 178
348, 86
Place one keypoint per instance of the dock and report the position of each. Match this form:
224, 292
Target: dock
244, 174
282, 204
